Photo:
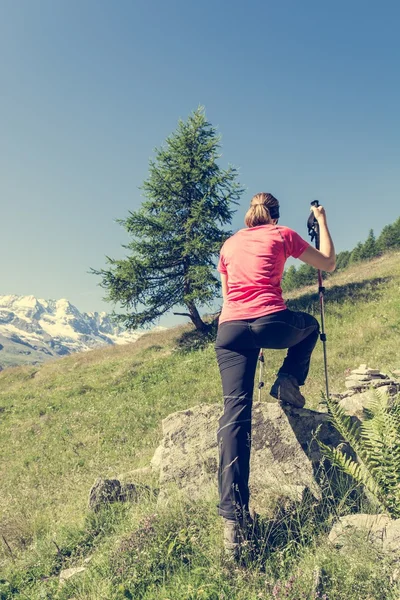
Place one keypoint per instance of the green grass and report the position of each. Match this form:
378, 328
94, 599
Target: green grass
67, 422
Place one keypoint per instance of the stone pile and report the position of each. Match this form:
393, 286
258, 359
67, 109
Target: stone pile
364, 377
360, 384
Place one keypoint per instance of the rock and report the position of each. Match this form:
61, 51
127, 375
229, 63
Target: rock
141, 471
363, 377
395, 575
395, 385
155, 462
364, 370
360, 377
129, 491
355, 383
360, 384
282, 458
368, 395
341, 530
382, 531
106, 491
68, 573
353, 405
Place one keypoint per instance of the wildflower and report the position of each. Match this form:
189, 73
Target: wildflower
277, 589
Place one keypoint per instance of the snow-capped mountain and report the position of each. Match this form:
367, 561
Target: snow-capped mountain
33, 330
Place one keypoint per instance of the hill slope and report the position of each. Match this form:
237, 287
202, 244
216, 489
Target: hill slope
98, 414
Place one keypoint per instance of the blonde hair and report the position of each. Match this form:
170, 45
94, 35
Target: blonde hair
259, 211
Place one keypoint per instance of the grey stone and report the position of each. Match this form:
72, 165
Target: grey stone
349, 393
129, 491
393, 385
282, 458
382, 531
104, 491
365, 371
395, 576
355, 383
107, 491
353, 405
68, 573
141, 472
88, 559
358, 377
155, 462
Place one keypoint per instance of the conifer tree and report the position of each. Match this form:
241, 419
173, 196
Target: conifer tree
342, 260
289, 279
369, 248
178, 231
356, 253
306, 275
389, 238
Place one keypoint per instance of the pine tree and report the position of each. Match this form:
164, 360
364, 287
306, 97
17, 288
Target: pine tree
342, 260
356, 253
178, 231
389, 238
369, 248
306, 275
289, 279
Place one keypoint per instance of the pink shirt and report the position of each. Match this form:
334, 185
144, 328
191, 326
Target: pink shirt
254, 259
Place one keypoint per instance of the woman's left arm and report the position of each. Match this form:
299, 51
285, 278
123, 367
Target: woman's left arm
224, 284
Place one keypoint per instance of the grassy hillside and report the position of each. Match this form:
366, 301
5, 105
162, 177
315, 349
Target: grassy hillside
99, 414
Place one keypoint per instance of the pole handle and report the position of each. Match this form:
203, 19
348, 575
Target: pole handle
312, 225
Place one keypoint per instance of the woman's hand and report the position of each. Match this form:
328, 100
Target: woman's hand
319, 213
324, 258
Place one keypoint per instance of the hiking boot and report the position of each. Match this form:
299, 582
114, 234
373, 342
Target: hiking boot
232, 539
236, 532
286, 389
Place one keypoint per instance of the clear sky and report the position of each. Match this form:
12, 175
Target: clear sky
306, 96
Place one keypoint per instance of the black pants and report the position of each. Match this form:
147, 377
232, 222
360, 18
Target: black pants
237, 346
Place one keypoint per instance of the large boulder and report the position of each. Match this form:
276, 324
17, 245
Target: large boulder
284, 453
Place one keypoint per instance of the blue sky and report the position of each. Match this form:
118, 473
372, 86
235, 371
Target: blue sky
306, 96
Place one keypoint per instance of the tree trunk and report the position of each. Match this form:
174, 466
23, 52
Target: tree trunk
196, 319
194, 313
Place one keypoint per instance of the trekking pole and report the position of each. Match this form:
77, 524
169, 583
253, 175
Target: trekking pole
260, 374
313, 232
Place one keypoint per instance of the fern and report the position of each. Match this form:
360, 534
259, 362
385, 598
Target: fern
376, 442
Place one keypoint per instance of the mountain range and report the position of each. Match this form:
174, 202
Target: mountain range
33, 330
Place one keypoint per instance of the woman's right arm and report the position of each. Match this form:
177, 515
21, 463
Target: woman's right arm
324, 258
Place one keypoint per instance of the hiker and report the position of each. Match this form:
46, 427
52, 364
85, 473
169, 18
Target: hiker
254, 316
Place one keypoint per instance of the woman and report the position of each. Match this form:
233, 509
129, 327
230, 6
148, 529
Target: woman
254, 316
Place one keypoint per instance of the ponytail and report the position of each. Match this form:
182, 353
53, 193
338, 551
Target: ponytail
263, 209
